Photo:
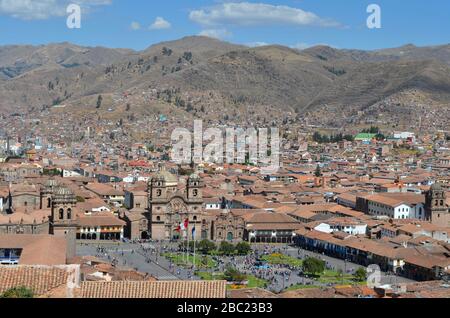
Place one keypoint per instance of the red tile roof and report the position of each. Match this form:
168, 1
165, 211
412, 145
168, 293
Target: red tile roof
152, 289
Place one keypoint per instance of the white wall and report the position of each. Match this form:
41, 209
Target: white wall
400, 212
212, 206
359, 229
70, 174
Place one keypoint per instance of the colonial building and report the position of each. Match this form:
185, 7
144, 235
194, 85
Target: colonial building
221, 225
53, 210
437, 210
170, 207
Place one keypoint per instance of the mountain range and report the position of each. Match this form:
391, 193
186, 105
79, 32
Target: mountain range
203, 77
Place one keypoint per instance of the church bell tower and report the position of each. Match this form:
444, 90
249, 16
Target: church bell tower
63, 219
436, 208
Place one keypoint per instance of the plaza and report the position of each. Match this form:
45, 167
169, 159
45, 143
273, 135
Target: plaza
150, 258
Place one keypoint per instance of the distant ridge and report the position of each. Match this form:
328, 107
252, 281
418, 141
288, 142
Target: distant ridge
208, 78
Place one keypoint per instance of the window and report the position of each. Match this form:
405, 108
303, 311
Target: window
158, 192
69, 214
195, 218
61, 214
158, 218
195, 192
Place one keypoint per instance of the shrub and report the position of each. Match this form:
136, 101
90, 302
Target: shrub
18, 292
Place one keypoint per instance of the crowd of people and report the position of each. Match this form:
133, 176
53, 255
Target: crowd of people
277, 276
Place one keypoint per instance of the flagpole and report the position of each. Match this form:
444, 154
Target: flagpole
187, 242
193, 237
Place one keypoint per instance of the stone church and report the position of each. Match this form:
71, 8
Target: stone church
52, 213
169, 205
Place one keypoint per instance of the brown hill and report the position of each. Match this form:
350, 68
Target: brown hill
217, 80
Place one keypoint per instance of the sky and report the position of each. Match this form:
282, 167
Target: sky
137, 24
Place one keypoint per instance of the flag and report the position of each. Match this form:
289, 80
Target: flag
186, 224
193, 233
178, 229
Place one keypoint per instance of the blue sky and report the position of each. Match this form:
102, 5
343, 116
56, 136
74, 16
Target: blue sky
297, 23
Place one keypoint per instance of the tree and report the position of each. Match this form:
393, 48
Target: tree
51, 172
226, 248
313, 266
206, 246
318, 172
233, 275
360, 274
99, 101
243, 248
18, 292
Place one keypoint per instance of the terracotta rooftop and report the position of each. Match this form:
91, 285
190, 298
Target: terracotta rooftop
100, 219
37, 249
152, 289
40, 279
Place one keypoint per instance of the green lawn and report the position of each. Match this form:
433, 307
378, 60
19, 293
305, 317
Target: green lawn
209, 276
253, 282
333, 277
280, 259
180, 260
297, 287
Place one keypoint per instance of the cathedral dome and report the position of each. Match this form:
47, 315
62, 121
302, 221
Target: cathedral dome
194, 176
436, 187
167, 177
63, 191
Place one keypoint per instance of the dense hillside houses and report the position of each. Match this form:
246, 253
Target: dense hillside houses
352, 203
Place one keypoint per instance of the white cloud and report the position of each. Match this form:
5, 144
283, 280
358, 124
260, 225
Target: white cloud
301, 46
216, 33
257, 44
43, 9
247, 14
135, 26
160, 23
